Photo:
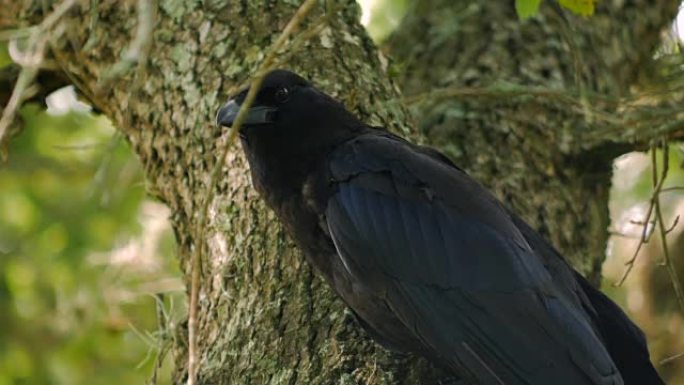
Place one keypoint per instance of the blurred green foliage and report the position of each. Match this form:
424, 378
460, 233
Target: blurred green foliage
529, 8
71, 195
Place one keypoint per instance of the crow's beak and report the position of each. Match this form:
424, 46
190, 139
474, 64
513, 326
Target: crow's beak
227, 114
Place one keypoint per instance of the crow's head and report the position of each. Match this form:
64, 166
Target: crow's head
289, 111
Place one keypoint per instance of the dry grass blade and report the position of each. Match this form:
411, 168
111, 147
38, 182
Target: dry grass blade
670, 189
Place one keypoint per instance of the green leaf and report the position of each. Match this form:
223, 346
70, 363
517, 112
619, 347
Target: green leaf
579, 7
527, 8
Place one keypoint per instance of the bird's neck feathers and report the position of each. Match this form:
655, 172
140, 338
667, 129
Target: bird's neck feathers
280, 165
308, 128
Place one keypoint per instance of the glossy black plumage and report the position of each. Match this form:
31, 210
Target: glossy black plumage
427, 258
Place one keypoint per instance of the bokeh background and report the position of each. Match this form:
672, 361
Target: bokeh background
89, 288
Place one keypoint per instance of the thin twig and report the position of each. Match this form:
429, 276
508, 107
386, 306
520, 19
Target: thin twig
671, 358
679, 293
642, 223
623, 235
196, 258
24, 80
645, 234
30, 61
673, 225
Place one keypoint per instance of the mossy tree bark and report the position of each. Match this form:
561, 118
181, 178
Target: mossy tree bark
264, 315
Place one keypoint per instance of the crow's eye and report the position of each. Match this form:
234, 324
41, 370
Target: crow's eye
282, 95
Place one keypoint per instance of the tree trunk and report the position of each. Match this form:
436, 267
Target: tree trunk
264, 315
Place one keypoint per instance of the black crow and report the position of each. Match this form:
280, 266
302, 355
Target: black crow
428, 260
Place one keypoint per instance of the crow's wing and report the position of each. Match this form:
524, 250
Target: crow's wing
455, 270
624, 341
